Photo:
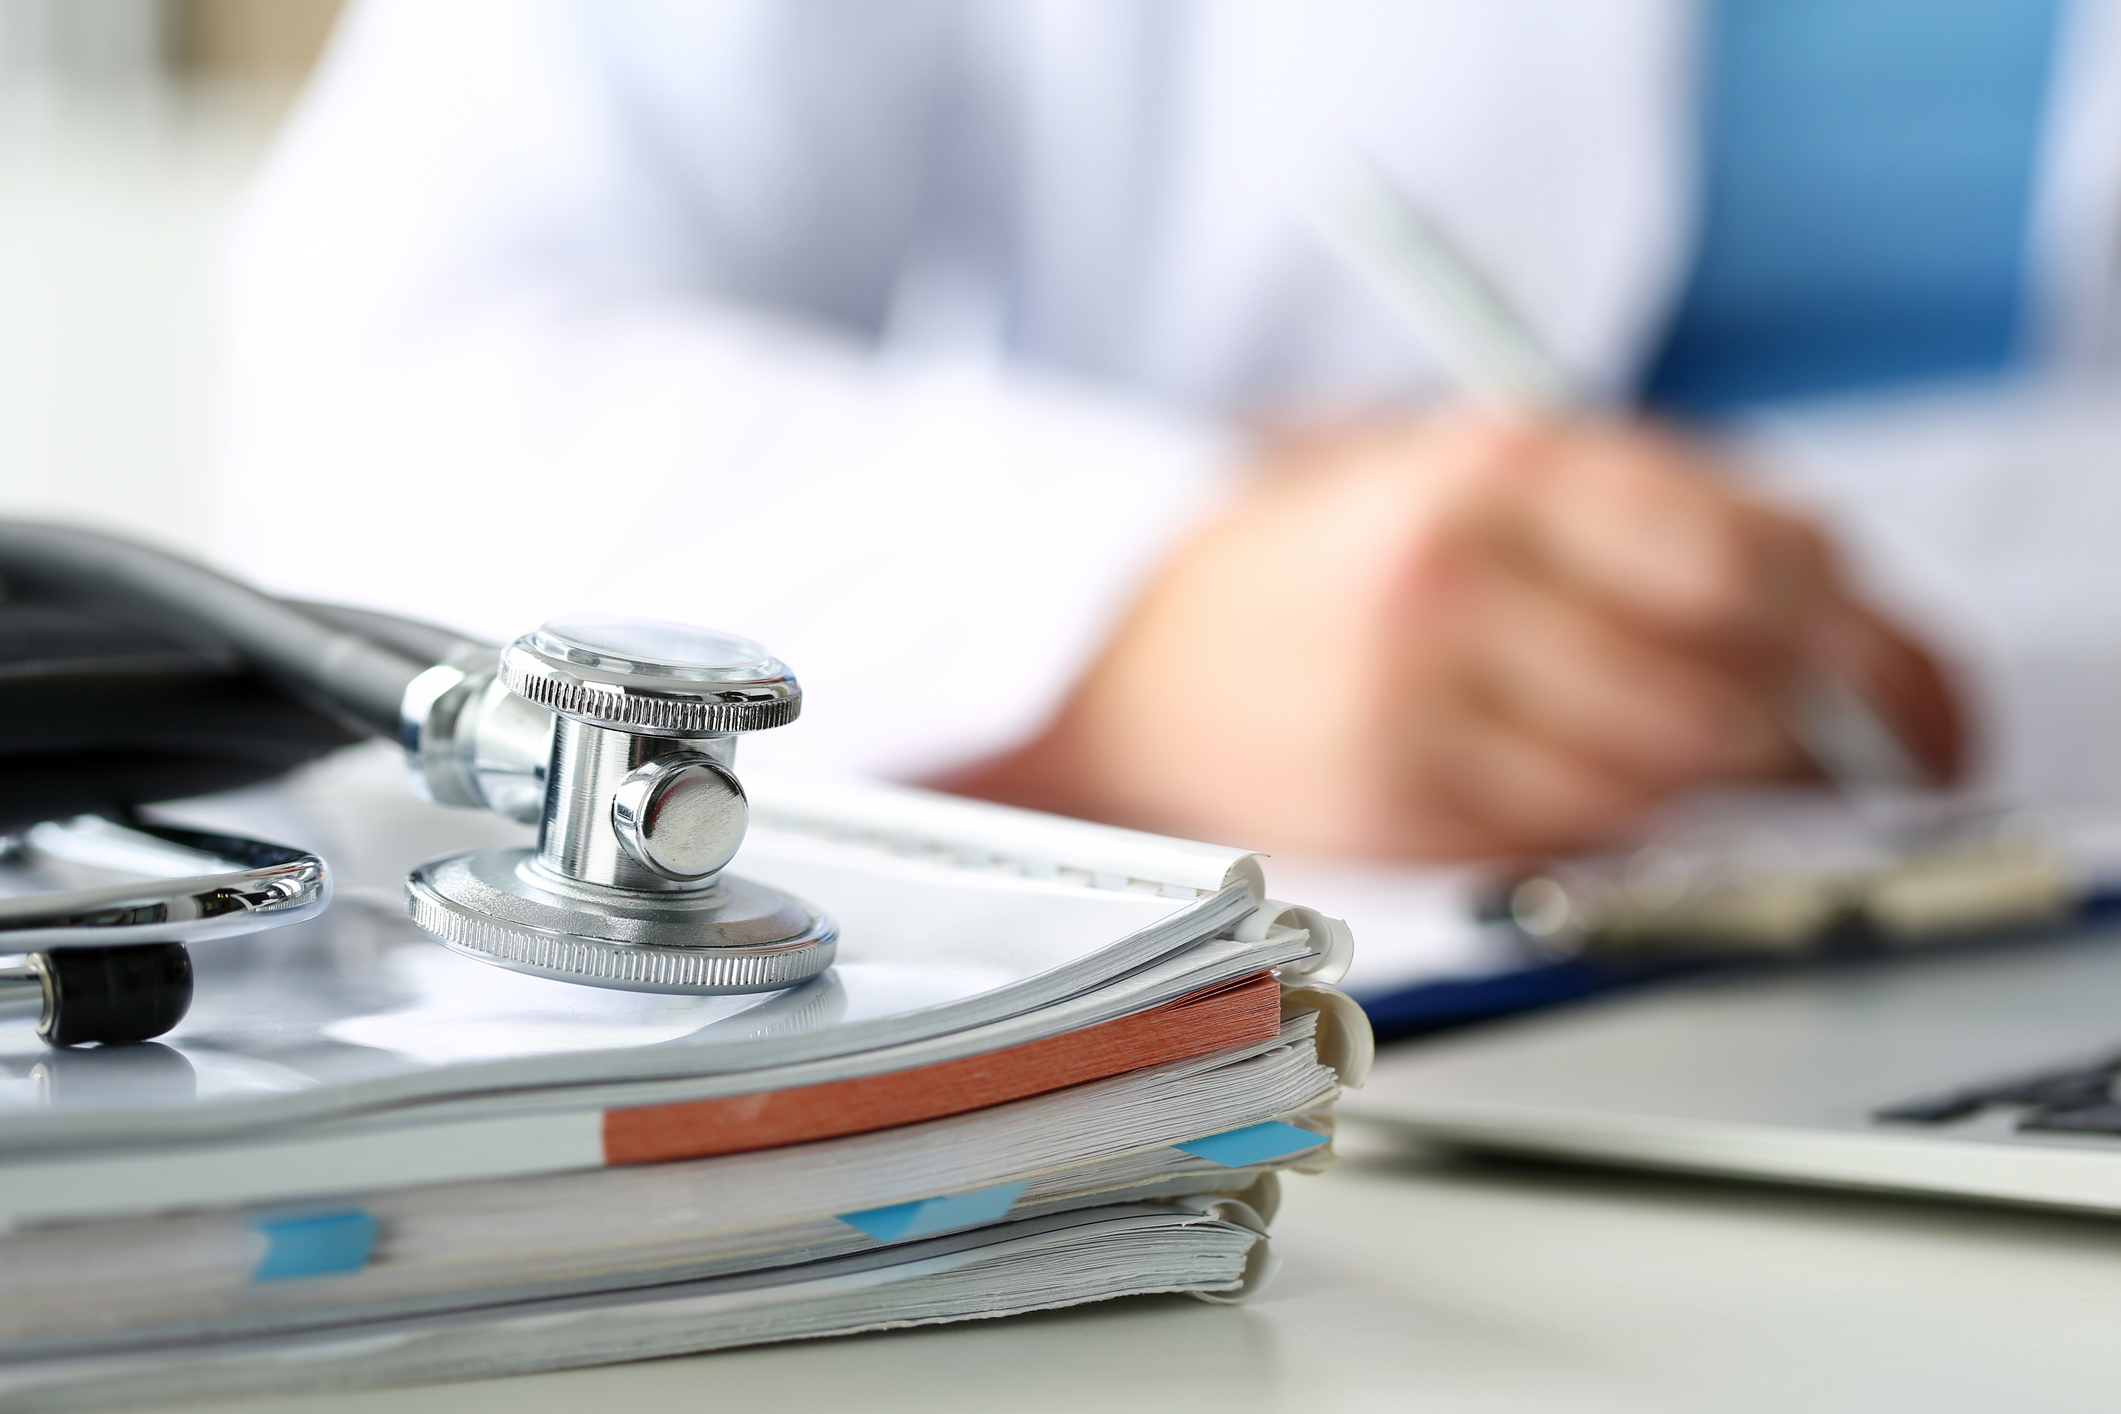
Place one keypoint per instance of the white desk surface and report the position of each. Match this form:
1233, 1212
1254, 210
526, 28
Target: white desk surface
1423, 1284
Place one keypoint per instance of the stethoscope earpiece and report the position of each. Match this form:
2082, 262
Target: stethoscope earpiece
113, 996
62, 964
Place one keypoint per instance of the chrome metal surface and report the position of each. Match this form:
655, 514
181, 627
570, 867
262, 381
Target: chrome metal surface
511, 752
202, 886
681, 817
432, 728
608, 673
25, 995
578, 839
470, 742
622, 733
500, 907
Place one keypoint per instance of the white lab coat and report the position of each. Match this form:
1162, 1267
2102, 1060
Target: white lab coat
906, 335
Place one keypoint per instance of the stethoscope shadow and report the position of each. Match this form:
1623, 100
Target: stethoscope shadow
810, 1006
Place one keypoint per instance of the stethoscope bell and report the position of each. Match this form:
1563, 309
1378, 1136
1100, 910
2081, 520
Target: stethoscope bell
640, 812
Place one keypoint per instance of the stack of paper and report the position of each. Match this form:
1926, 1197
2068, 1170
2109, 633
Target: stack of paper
1055, 1063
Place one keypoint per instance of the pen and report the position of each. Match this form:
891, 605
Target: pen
1443, 298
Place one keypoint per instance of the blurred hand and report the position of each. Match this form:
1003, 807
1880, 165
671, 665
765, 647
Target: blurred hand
1459, 637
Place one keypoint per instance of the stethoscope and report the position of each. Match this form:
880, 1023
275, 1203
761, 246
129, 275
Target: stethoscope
615, 737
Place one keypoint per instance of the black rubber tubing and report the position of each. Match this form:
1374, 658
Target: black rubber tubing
352, 676
430, 643
117, 995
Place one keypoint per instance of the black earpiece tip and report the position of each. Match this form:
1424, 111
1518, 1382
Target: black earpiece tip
116, 995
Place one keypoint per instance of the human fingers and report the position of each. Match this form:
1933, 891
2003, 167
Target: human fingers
1644, 523
1749, 586
1903, 681
1481, 786
1599, 686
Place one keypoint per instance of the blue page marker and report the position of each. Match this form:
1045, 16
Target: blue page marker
1254, 1144
924, 1217
314, 1245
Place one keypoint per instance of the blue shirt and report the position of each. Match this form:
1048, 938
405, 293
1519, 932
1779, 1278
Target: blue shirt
1867, 168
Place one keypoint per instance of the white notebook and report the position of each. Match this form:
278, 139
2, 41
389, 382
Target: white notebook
352, 1051
224, 1272
1214, 1248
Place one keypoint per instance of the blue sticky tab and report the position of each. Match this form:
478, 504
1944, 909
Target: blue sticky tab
926, 1216
314, 1245
1254, 1144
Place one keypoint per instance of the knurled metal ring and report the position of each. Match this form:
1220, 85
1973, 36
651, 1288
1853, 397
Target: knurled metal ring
739, 937
668, 708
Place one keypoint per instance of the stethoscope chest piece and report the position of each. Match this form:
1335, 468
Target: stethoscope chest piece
641, 812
